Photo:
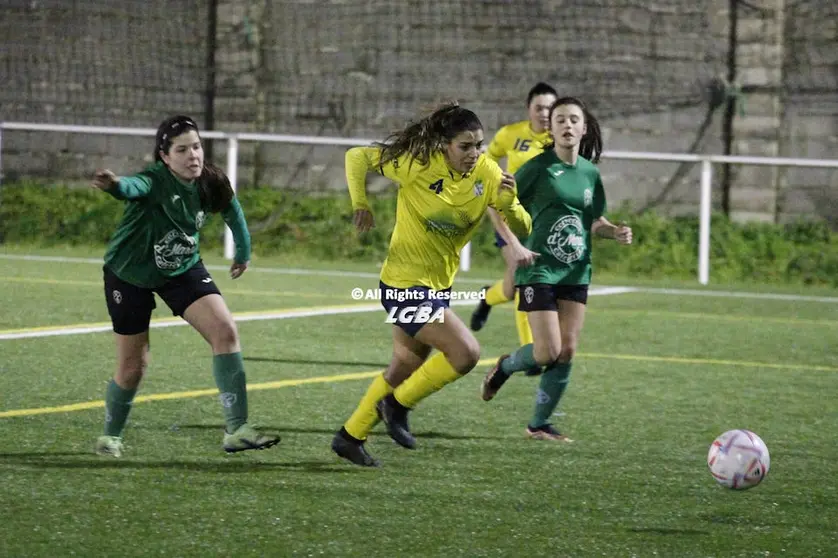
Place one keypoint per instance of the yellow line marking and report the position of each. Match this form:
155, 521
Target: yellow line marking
188, 394
370, 374
712, 361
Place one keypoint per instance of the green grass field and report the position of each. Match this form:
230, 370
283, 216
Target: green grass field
657, 377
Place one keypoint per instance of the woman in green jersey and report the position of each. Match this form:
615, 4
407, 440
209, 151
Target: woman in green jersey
562, 190
155, 250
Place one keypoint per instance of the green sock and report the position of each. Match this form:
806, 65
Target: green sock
553, 383
117, 406
522, 359
229, 377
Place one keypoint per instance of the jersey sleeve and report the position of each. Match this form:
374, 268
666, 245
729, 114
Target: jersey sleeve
526, 179
599, 205
132, 187
505, 201
361, 160
498, 147
234, 218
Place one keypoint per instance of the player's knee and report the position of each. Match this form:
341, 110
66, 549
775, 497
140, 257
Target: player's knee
547, 354
225, 337
131, 370
466, 357
568, 351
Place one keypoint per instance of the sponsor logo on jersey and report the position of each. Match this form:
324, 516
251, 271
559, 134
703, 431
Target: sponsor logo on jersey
171, 251
567, 239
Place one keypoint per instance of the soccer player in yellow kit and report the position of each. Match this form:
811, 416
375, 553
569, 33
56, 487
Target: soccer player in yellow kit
445, 186
518, 143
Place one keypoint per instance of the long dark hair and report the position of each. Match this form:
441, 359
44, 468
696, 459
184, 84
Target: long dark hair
591, 145
214, 189
422, 138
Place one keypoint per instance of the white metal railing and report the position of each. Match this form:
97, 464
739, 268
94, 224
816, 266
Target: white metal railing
233, 139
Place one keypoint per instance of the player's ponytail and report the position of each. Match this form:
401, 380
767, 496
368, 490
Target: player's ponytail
591, 145
214, 189
422, 138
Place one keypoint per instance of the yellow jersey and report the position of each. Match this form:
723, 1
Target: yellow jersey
438, 210
518, 143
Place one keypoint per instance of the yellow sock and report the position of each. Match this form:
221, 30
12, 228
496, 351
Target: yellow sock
522, 324
494, 294
431, 377
365, 416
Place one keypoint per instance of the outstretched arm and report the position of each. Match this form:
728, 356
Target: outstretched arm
122, 188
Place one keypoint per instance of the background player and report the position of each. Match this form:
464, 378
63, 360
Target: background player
517, 143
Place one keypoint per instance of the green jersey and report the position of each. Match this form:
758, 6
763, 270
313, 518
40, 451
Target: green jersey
564, 201
158, 236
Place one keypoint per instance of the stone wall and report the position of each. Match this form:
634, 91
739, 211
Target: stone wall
351, 69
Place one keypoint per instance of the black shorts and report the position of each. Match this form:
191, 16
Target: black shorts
403, 305
130, 306
544, 296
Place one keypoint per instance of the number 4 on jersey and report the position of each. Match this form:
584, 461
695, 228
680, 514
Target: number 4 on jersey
436, 186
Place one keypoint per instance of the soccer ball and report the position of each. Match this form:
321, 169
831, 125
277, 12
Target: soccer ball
738, 459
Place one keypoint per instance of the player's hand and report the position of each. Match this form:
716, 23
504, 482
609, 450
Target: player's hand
523, 256
506, 191
237, 269
363, 220
507, 181
623, 234
104, 179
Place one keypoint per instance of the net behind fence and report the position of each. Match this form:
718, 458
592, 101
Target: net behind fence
362, 67
97, 62
293, 65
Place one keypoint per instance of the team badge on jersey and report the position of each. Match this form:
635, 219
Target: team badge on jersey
589, 197
200, 219
478, 188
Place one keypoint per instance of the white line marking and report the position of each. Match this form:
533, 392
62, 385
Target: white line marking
370, 275
734, 294
248, 317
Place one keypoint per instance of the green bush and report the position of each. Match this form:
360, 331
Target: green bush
321, 227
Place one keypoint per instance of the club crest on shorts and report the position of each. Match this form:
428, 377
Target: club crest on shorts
529, 294
117, 297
